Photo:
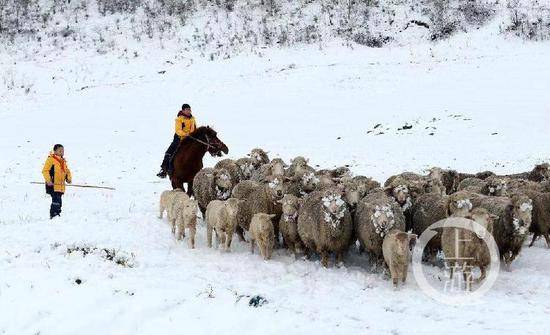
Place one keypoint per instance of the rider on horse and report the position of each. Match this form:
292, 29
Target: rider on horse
185, 125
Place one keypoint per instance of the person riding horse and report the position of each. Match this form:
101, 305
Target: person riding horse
185, 124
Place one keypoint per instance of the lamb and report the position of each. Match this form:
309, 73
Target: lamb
325, 225
221, 217
288, 224
259, 157
428, 209
512, 227
397, 253
232, 168
211, 184
166, 201
376, 215
179, 200
448, 178
467, 247
246, 165
262, 233
186, 217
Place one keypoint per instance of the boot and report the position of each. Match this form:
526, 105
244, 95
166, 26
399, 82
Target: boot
162, 173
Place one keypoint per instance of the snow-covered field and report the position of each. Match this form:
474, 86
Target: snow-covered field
475, 102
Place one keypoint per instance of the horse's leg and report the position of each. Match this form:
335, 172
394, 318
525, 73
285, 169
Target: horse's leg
190, 188
176, 183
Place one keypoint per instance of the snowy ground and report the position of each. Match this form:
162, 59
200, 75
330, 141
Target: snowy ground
475, 102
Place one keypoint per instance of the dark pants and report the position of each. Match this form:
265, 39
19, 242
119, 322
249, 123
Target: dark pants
167, 161
55, 208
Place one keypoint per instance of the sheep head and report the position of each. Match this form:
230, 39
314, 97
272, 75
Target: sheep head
383, 219
522, 213
275, 188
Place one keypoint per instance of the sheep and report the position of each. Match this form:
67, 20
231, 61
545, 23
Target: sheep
166, 201
221, 217
301, 185
467, 246
288, 224
480, 175
186, 217
376, 215
472, 184
512, 227
179, 199
540, 172
325, 225
448, 178
259, 157
428, 209
262, 232
495, 186
298, 167
210, 184
232, 168
460, 204
357, 188
396, 249
262, 200
246, 165
274, 168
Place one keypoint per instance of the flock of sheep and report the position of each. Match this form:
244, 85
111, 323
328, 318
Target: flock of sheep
329, 211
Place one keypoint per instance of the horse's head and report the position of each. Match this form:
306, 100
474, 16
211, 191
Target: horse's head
215, 146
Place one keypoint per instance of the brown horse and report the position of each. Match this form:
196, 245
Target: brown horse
188, 158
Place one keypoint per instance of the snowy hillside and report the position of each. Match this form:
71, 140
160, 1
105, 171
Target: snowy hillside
476, 100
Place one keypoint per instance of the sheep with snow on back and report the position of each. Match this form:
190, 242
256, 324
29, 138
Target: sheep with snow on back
288, 224
376, 215
259, 157
232, 168
262, 233
396, 248
166, 201
186, 217
211, 184
467, 246
324, 224
221, 218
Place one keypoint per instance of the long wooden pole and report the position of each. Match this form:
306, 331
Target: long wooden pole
82, 186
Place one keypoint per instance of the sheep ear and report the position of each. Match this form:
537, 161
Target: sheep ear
388, 190
280, 201
494, 217
271, 216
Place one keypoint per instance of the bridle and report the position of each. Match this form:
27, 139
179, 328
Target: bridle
207, 143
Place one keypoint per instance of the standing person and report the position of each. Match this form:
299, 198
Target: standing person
185, 125
56, 173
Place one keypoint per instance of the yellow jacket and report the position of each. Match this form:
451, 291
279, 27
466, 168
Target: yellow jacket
56, 170
185, 126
